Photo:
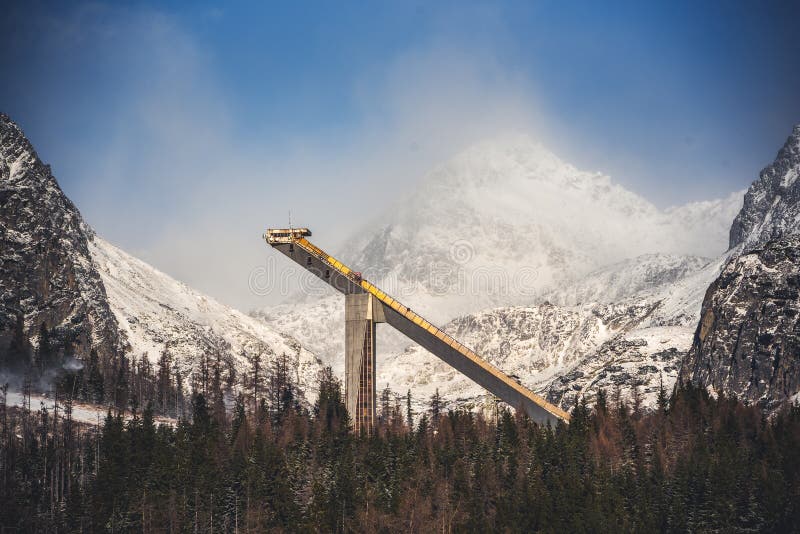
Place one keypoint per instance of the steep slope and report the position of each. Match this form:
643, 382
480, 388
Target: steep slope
772, 204
647, 355
55, 271
748, 341
157, 313
46, 272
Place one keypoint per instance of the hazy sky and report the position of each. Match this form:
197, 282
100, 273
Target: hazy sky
181, 130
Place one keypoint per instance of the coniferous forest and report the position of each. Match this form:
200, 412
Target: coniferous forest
269, 463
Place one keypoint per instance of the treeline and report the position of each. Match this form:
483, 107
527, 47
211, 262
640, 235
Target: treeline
46, 364
269, 464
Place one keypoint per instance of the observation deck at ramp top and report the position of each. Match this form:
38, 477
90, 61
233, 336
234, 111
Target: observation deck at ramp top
293, 243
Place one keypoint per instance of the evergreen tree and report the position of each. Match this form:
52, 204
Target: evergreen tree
95, 390
18, 358
662, 401
386, 407
409, 411
164, 378
256, 379
44, 353
436, 409
704, 465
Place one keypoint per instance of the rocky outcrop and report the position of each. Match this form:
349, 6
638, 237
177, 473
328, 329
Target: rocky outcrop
772, 204
46, 271
747, 343
89, 294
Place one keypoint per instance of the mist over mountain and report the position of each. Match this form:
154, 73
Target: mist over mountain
511, 214
615, 290
635, 325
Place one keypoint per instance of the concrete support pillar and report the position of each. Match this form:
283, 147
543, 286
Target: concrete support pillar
361, 312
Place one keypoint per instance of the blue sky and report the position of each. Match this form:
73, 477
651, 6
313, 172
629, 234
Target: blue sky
180, 129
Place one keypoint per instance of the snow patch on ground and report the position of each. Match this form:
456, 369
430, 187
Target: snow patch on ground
81, 413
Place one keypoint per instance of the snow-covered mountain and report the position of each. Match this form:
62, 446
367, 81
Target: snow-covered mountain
55, 271
748, 341
635, 325
618, 281
505, 220
507, 223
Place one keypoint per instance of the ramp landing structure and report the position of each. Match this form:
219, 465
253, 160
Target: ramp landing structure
366, 305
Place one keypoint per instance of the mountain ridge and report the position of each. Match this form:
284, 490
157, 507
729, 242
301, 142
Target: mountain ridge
89, 295
771, 207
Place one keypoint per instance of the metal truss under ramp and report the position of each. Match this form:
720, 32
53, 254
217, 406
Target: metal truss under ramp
366, 305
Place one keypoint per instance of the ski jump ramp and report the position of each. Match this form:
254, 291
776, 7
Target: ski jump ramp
366, 305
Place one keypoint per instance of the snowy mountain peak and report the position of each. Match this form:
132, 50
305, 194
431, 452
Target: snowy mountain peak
519, 162
513, 209
498, 160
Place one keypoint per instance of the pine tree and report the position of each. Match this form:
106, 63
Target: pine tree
121, 384
92, 386
256, 378
164, 381
662, 401
409, 412
436, 409
239, 417
280, 389
601, 404
217, 396
19, 350
386, 408
330, 408
44, 354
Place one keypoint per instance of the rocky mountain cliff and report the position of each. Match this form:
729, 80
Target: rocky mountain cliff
46, 271
772, 204
54, 270
747, 343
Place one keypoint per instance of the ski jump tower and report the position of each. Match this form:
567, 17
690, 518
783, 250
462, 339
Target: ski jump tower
365, 306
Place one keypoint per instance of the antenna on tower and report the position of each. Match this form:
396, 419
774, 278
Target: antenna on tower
290, 219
